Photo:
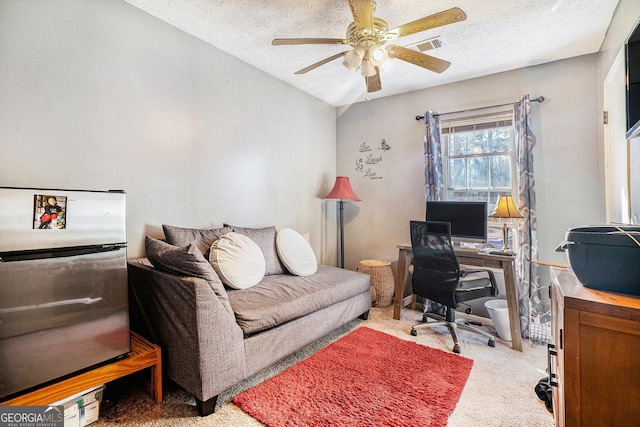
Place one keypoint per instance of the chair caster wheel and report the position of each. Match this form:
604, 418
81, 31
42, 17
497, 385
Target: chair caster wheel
543, 390
492, 343
456, 349
414, 332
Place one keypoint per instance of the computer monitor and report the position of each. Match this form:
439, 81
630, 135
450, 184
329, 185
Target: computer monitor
468, 219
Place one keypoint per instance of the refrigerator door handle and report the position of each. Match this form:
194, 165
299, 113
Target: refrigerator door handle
59, 252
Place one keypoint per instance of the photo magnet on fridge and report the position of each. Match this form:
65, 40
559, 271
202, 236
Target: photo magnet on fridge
49, 212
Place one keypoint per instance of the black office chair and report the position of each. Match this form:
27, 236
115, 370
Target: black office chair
437, 274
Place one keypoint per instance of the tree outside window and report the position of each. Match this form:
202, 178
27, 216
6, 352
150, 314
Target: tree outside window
479, 162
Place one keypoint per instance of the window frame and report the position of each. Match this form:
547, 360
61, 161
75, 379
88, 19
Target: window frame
470, 122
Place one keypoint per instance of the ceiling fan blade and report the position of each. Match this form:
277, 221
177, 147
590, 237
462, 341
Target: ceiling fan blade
362, 11
417, 58
317, 64
373, 82
446, 17
278, 42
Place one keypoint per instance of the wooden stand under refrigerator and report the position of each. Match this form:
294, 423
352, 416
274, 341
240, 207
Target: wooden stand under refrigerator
143, 355
596, 335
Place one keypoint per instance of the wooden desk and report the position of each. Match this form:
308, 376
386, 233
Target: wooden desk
143, 355
466, 257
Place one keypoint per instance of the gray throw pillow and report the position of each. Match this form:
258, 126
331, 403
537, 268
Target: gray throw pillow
202, 238
187, 261
265, 238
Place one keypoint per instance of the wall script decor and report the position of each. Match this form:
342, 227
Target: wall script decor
369, 159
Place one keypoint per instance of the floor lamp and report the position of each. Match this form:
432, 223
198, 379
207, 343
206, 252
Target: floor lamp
342, 191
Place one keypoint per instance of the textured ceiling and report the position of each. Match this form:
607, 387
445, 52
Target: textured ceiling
498, 35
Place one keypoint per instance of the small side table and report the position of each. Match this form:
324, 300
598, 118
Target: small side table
381, 280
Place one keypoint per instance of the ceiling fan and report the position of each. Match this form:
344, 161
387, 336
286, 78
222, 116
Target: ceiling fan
367, 35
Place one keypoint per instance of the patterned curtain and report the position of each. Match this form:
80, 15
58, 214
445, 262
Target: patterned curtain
433, 177
527, 276
433, 181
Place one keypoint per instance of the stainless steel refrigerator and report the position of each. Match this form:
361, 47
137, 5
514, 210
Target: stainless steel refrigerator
63, 284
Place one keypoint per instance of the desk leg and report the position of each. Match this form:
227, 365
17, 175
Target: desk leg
399, 290
512, 303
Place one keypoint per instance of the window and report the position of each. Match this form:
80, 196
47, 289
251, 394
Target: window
479, 159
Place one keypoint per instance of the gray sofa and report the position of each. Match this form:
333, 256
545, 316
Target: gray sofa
213, 337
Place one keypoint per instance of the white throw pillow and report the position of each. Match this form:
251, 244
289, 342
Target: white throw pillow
295, 253
238, 261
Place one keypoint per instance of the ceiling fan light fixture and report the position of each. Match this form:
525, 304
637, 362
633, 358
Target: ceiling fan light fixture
349, 67
368, 69
353, 59
386, 66
378, 55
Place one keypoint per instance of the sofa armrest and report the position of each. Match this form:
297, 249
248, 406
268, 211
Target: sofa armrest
202, 345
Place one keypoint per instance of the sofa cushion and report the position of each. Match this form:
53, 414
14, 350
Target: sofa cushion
265, 238
280, 298
202, 238
186, 261
296, 253
238, 260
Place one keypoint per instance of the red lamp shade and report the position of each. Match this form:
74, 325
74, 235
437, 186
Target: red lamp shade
342, 190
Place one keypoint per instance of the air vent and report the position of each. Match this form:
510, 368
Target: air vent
429, 44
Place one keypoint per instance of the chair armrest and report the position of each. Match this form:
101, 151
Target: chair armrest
492, 277
201, 342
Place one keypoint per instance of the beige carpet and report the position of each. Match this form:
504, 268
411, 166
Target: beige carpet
499, 392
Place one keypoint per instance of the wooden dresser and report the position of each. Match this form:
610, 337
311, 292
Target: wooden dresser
596, 336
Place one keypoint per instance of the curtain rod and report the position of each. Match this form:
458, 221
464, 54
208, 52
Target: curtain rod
539, 99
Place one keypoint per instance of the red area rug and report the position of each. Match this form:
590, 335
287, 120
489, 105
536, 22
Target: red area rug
366, 378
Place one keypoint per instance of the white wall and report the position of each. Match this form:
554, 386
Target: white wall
96, 94
624, 18
567, 157
612, 89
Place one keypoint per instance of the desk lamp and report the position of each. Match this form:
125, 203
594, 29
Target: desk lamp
342, 191
505, 212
